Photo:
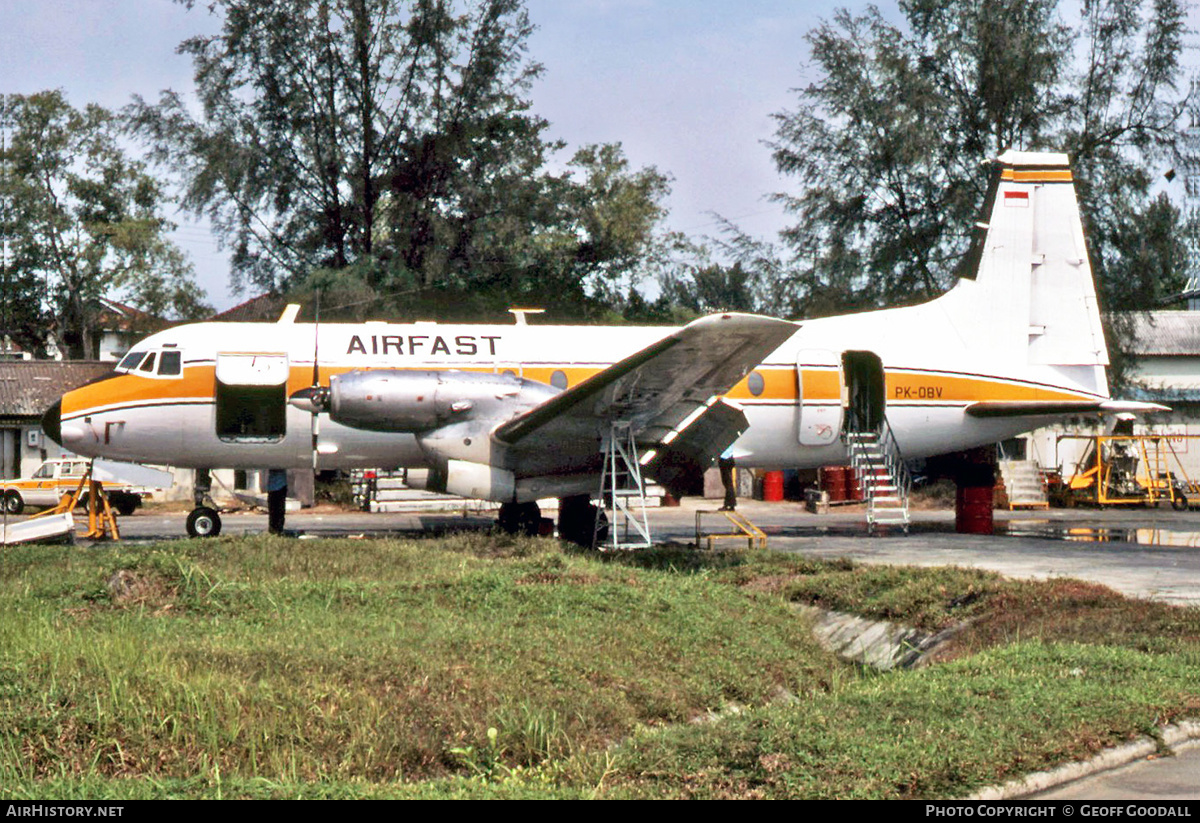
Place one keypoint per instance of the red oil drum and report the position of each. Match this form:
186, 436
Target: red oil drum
772, 489
854, 487
833, 481
973, 510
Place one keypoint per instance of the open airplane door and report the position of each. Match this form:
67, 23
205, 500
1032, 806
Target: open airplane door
865, 391
251, 395
818, 376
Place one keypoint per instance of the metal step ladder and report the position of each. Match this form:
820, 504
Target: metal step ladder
883, 476
622, 494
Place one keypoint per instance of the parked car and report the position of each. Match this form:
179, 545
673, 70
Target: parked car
55, 478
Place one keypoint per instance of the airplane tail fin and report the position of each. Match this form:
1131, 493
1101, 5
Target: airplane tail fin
1026, 292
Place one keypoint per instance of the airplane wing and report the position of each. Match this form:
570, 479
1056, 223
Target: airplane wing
668, 391
1034, 408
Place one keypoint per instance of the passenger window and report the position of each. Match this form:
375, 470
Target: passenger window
755, 383
149, 364
170, 363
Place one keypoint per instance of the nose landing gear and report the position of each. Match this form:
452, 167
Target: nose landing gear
203, 521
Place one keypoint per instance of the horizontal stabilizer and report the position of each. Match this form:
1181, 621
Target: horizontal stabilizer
1037, 408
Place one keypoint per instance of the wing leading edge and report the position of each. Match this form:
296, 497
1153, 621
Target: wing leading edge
662, 392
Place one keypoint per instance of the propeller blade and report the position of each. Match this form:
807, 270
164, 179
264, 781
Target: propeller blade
320, 396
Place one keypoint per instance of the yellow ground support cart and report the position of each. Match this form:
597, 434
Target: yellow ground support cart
1127, 469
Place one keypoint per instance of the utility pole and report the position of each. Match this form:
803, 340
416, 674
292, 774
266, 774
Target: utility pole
1191, 203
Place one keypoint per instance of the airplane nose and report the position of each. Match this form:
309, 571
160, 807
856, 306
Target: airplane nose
52, 422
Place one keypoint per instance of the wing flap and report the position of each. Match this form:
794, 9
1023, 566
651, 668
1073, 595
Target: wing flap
694, 445
653, 392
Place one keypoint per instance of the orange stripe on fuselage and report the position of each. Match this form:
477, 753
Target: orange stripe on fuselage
195, 382
906, 387
780, 386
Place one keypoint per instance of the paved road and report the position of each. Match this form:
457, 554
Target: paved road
1161, 778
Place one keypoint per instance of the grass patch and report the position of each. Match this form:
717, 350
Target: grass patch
480, 666
372, 660
937, 732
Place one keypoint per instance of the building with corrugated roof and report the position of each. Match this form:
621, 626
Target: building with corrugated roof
27, 389
1166, 353
265, 308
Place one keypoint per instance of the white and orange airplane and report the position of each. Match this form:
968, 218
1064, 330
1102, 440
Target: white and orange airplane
515, 413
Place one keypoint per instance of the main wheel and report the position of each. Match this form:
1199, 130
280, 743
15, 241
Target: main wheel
520, 518
203, 522
13, 503
577, 520
1179, 503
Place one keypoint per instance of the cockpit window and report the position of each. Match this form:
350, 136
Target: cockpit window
170, 363
130, 361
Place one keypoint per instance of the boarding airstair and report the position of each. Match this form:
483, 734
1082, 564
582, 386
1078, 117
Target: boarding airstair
882, 475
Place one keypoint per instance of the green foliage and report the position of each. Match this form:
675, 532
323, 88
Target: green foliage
342, 661
711, 288
886, 145
83, 221
940, 732
392, 140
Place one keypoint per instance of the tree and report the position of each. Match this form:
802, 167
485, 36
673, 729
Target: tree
83, 221
887, 142
23, 313
392, 141
711, 287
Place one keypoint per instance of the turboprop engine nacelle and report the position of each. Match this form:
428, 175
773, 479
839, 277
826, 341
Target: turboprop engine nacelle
391, 400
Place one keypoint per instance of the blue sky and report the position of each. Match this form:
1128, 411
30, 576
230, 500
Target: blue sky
686, 87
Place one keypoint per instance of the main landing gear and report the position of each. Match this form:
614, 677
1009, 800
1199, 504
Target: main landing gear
577, 517
520, 518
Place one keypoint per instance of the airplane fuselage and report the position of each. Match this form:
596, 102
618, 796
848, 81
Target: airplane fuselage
796, 401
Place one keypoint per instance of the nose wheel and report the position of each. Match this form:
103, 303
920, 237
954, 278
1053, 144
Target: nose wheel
203, 522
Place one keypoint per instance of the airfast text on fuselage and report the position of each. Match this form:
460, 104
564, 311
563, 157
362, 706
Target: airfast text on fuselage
422, 344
